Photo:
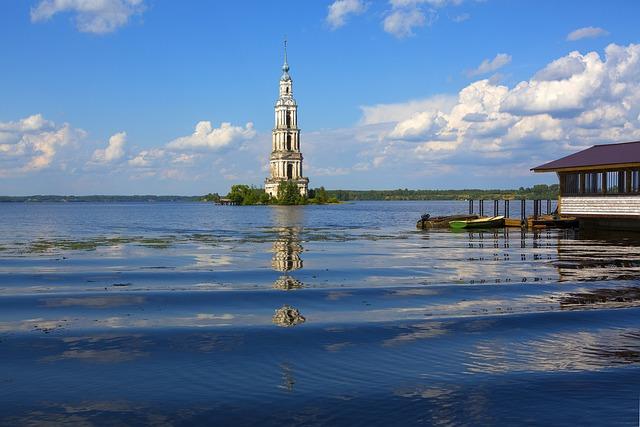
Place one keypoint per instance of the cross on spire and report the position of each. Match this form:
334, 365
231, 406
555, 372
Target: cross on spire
286, 65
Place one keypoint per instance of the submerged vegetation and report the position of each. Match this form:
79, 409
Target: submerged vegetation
47, 245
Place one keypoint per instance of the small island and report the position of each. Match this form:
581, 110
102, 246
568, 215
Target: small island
288, 194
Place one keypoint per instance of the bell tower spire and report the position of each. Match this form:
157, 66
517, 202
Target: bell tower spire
285, 67
285, 163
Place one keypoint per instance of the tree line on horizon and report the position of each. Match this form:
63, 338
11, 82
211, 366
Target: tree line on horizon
255, 195
539, 191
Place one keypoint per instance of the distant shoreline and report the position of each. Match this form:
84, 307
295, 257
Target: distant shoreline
535, 192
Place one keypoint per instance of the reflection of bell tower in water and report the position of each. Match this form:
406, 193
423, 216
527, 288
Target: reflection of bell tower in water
285, 163
287, 249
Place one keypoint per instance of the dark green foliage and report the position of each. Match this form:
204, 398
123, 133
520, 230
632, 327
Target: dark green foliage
289, 194
245, 195
320, 196
211, 197
541, 191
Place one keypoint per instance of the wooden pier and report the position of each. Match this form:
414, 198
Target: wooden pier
226, 202
538, 219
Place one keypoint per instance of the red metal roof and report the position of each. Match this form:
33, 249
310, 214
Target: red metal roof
598, 155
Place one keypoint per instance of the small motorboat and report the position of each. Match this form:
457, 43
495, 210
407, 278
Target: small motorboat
488, 222
427, 221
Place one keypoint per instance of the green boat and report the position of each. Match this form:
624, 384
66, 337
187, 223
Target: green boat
489, 222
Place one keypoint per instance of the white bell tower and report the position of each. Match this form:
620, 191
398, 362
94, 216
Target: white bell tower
285, 163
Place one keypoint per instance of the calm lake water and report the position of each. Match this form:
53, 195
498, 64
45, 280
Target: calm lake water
195, 314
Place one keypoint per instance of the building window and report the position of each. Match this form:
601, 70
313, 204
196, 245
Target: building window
593, 183
288, 142
635, 181
612, 182
570, 183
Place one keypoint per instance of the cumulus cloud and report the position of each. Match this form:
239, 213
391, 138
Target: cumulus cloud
91, 16
586, 32
146, 158
384, 113
31, 144
489, 66
405, 17
207, 137
575, 101
339, 10
114, 150
420, 126
401, 18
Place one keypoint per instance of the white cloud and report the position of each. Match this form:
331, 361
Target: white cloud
339, 10
575, 101
114, 150
383, 113
586, 32
31, 144
407, 15
91, 16
488, 66
571, 92
401, 18
420, 126
207, 137
146, 158
401, 23
461, 18
433, 3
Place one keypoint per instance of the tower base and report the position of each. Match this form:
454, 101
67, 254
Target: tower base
271, 186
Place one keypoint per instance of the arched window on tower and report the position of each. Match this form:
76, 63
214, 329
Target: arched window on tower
287, 90
288, 142
288, 119
289, 171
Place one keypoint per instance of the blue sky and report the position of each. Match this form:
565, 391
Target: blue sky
150, 96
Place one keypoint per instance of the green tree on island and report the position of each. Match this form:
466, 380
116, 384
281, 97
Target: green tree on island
289, 194
246, 195
211, 197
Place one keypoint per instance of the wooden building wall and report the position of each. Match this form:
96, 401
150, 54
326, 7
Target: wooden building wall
606, 206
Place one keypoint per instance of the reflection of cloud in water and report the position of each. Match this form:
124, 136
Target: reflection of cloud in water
339, 346
579, 351
424, 391
106, 348
97, 356
199, 320
336, 295
211, 260
88, 412
95, 301
417, 332
409, 292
